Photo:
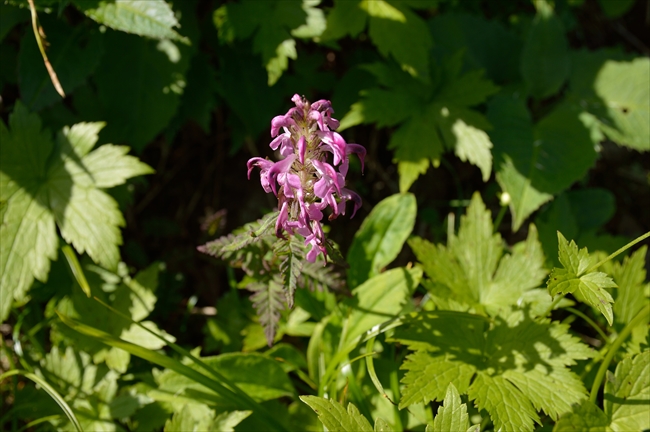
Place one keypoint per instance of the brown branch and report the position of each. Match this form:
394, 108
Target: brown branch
39, 41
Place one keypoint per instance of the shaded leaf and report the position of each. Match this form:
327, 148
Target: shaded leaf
335, 418
627, 395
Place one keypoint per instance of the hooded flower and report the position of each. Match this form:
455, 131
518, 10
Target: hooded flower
304, 182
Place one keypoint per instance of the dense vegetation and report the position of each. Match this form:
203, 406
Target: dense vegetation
494, 276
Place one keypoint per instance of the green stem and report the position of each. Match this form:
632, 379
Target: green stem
497, 221
600, 375
591, 322
621, 250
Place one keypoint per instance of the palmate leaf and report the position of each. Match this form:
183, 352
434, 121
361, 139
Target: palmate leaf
590, 287
41, 184
473, 271
511, 370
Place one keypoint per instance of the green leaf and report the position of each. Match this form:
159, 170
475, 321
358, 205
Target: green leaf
545, 61
473, 145
345, 18
534, 163
586, 417
335, 418
393, 28
472, 270
570, 279
226, 422
381, 237
382, 425
514, 366
182, 420
452, 416
379, 299
153, 18
268, 300
139, 86
627, 395
625, 91
250, 233
41, 184
73, 54
630, 276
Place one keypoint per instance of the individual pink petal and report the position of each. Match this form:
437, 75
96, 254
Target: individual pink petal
315, 115
302, 147
357, 149
281, 121
348, 195
265, 164
282, 220
325, 169
278, 168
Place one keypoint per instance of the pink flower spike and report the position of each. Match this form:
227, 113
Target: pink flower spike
302, 147
324, 168
315, 115
279, 168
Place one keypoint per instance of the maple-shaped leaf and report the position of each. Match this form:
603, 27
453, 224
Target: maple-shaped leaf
473, 269
512, 369
43, 183
335, 418
434, 118
590, 287
626, 400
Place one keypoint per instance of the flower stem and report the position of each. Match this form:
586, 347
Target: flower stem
590, 322
600, 375
621, 250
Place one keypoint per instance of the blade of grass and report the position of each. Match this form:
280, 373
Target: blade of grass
53, 393
76, 269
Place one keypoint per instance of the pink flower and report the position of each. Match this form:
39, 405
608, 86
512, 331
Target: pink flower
304, 181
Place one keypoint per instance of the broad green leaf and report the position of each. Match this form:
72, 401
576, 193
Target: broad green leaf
627, 395
41, 184
472, 270
381, 237
152, 18
379, 299
452, 416
315, 22
625, 91
393, 28
139, 87
586, 417
545, 61
514, 368
335, 418
535, 162
382, 425
571, 279
73, 54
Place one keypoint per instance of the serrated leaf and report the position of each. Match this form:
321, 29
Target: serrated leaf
472, 270
590, 287
345, 18
545, 59
514, 367
182, 420
335, 417
630, 276
249, 234
292, 255
152, 18
534, 163
586, 417
452, 416
379, 299
473, 145
268, 301
381, 237
41, 184
382, 425
226, 422
627, 395
73, 54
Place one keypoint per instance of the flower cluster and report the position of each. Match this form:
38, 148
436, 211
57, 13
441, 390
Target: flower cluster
304, 183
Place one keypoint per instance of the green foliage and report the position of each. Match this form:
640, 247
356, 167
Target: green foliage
381, 237
335, 418
578, 277
452, 416
44, 182
472, 272
511, 369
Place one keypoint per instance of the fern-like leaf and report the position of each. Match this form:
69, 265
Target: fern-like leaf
291, 254
248, 234
268, 301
